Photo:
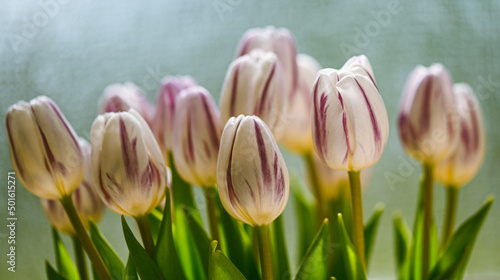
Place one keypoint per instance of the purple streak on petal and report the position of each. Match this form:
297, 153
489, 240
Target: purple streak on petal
234, 90
464, 136
213, 133
250, 189
65, 123
230, 188
78, 198
244, 46
426, 105
114, 182
320, 120
116, 104
105, 192
51, 203
280, 185
376, 130
13, 150
149, 177
129, 151
189, 148
475, 125
260, 107
264, 165
346, 128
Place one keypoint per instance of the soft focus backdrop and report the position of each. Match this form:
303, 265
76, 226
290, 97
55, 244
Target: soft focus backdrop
70, 50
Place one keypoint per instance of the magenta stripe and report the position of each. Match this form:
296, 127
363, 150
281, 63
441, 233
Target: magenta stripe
346, 128
230, 188
376, 130
234, 90
65, 123
13, 147
264, 165
213, 133
426, 105
318, 124
265, 92
129, 151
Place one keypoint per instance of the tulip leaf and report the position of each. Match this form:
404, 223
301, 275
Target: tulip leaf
452, 263
155, 219
110, 258
201, 238
220, 267
145, 265
314, 265
371, 230
130, 272
236, 244
402, 237
354, 268
281, 264
52, 274
305, 210
64, 263
165, 252
182, 192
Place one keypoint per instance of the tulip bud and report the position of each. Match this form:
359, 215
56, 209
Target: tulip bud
196, 136
120, 98
254, 86
332, 181
163, 121
128, 168
297, 135
467, 157
86, 200
44, 149
277, 40
426, 125
349, 126
360, 65
251, 174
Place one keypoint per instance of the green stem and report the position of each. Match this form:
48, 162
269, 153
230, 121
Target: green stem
264, 242
428, 197
450, 215
210, 195
358, 234
147, 236
84, 237
313, 175
80, 258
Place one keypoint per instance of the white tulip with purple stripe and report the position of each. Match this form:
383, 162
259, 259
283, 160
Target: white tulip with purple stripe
427, 116
44, 149
129, 171
349, 120
254, 86
467, 158
122, 97
196, 137
360, 65
251, 174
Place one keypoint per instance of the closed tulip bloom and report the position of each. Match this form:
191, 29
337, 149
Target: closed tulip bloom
426, 125
44, 149
251, 174
122, 97
86, 200
349, 120
297, 135
196, 137
467, 157
360, 65
279, 41
163, 120
129, 171
254, 86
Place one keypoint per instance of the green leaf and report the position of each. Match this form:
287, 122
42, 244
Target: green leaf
305, 211
182, 192
220, 267
371, 230
111, 260
52, 273
236, 244
155, 219
145, 265
130, 272
165, 252
64, 263
452, 264
354, 268
282, 266
402, 237
314, 265
201, 239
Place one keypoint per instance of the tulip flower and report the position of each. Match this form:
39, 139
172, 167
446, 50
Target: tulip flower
166, 103
254, 86
87, 202
49, 161
281, 42
360, 65
297, 135
466, 159
426, 118
252, 179
120, 98
44, 149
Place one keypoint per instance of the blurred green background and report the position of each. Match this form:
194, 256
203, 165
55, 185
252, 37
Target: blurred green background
70, 50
